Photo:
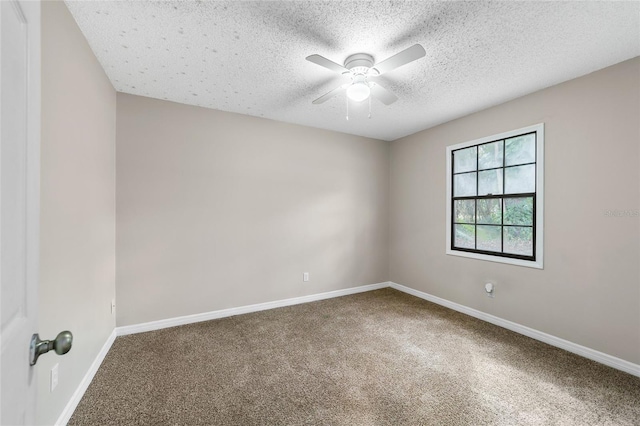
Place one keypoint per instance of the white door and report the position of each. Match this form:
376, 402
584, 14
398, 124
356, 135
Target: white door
19, 204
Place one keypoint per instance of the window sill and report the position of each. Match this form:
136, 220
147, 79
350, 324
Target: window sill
537, 264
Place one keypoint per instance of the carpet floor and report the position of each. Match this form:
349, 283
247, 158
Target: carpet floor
375, 358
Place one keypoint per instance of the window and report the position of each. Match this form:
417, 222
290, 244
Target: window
495, 197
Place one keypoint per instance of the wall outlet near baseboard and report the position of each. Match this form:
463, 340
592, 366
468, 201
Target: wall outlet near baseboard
54, 377
305, 277
490, 289
113, 306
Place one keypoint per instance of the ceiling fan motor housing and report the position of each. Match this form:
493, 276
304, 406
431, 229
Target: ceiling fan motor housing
359, 63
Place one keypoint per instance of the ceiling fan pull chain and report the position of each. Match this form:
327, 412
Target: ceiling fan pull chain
369, 106
347, 107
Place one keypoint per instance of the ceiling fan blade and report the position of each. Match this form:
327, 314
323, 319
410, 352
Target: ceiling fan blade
399, 59
329, 95
382, 94
324, 62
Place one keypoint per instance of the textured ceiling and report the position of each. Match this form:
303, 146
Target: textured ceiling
249, 57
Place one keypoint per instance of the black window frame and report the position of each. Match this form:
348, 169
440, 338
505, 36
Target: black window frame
502, 197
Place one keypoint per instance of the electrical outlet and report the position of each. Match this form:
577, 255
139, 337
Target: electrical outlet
113, 306
305, 277
490, 289
54, 377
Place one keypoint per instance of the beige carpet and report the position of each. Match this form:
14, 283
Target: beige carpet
376, 358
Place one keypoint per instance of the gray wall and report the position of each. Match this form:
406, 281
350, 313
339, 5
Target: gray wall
589, 290
77, 245
218, 210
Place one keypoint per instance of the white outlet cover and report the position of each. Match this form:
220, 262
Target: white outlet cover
54, 377
490, 289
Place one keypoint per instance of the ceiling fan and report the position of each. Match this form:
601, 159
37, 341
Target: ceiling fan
361, 68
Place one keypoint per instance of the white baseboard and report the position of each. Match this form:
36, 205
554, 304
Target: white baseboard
206, 316
86, 380
592, 354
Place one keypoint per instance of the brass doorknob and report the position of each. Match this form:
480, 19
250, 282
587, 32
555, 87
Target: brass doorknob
61, 344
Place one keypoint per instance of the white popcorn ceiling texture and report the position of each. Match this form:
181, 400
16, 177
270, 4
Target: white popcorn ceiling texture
249, 57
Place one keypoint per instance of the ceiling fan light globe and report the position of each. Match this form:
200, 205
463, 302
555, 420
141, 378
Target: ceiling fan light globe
358, 92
